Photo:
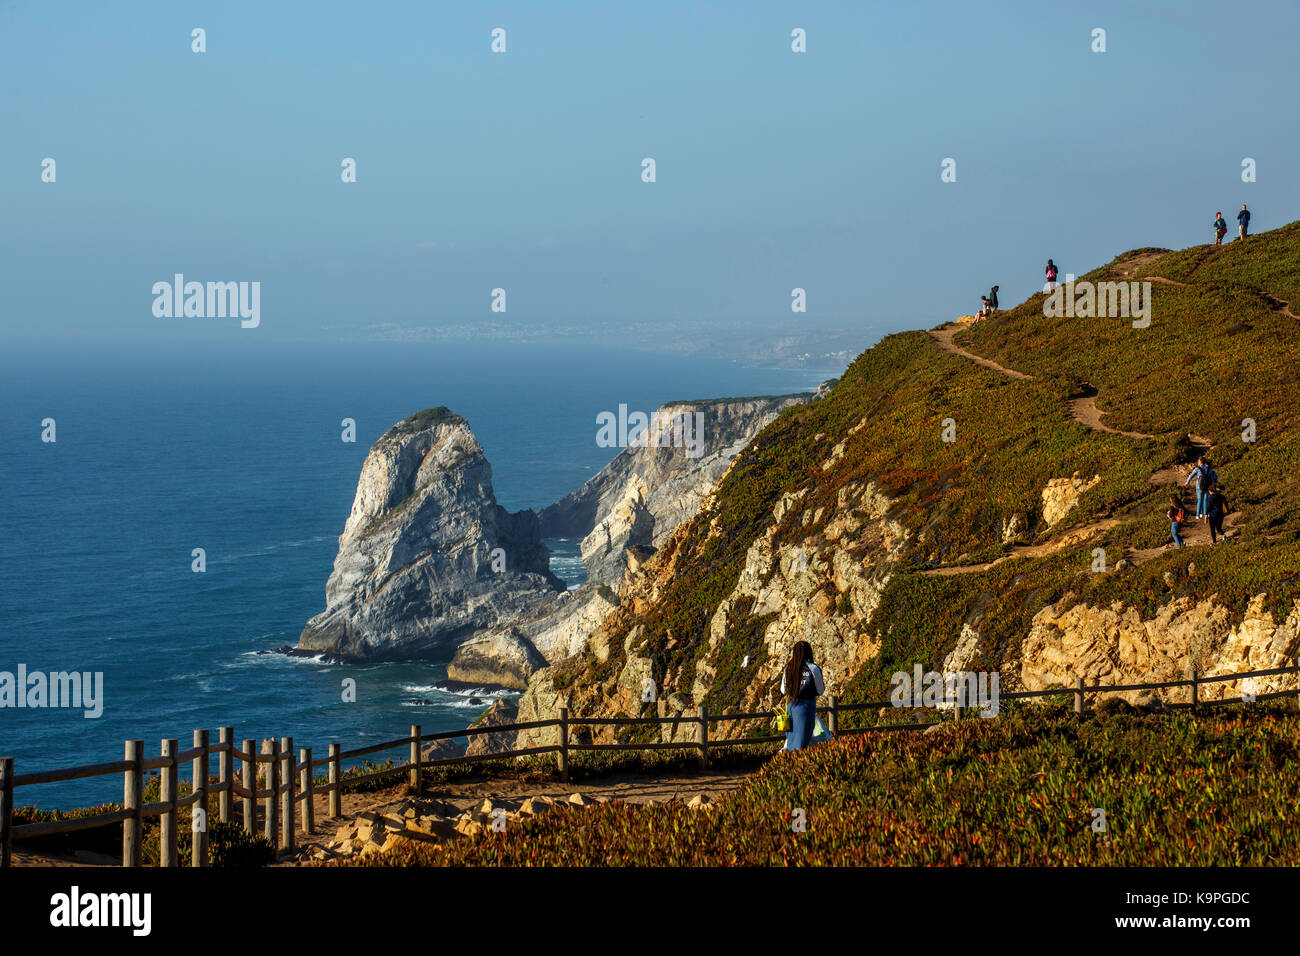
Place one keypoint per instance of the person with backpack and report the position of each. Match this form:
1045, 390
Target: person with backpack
1220, 228
1176, 516
1204, 477
801, 683
1051, 275
1216, 508
1243, 220
993, 300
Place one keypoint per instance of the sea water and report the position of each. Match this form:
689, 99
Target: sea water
237, 450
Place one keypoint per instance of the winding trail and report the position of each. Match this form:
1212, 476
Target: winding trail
1274, 303
1279, 305
1083, 410
944, 337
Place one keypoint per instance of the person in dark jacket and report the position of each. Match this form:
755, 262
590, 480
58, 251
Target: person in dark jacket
1220, 228
1051, 275
1216, 507
1243, 220
801, 682
993, 300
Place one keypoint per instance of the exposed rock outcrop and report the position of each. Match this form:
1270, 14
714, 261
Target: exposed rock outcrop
1116, 645
499, 657
500, 713
1061, 495
627, 510
648, 491
427, 557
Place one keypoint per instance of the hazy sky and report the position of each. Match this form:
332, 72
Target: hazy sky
522, 170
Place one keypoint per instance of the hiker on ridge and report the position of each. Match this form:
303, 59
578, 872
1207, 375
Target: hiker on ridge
1220, 228
1051, 275
984, 309
1204, 477
801, 682
1216, 507
1176, 516
1243, 220
993, 300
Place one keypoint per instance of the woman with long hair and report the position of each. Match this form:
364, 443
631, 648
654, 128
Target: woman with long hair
801, 682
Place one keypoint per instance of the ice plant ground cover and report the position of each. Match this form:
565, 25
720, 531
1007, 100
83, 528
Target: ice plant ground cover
1214, 787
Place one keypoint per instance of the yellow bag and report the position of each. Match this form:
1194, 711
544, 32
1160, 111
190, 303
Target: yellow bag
781, 720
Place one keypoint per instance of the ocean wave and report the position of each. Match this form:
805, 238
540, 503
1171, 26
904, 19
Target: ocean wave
270, 549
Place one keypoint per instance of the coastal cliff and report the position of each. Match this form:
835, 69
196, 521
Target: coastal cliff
427, 557
648, 491
993, 503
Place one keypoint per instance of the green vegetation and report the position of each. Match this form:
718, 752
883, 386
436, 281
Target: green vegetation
1212, 788
425, 418
1217, 351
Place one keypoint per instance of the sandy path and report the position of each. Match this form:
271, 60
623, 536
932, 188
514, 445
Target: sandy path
1072, 537
944, 337
1279, 305
1276, 304
464, 795
1084, 410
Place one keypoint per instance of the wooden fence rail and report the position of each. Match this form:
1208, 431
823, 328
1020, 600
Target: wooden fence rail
289, 783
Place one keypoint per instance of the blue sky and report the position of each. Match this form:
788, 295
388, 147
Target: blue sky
522, 170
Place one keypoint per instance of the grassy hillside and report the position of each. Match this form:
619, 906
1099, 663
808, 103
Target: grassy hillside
1190, 789
1217, 351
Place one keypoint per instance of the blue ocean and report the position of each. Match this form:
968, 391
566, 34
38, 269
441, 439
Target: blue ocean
237, 450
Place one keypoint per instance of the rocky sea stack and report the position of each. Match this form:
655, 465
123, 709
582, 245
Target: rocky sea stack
427, 557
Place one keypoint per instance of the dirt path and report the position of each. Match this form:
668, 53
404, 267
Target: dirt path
1084, 410
1279, 305
465, 795
1071, 538
510, 792
1195, 534
944, 337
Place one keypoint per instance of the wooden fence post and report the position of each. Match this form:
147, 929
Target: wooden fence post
167, 795
199, 770
1078, 697
132, 787
287, 802
250, 784
336, 797
1196, 690
308, 788
6, 809
413, 778
833, 718
225, 737
702, 713
562, 756
271, 802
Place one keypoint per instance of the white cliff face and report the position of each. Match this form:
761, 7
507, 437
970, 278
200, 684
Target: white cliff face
427, 557
641, 497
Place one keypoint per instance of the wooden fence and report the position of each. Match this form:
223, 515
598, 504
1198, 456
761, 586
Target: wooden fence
290, 788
